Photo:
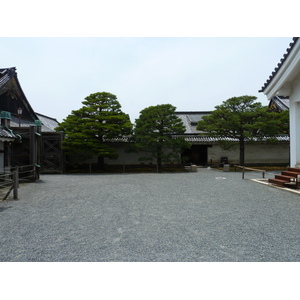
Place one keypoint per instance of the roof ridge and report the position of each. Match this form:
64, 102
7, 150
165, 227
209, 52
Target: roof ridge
282, 60
38, 114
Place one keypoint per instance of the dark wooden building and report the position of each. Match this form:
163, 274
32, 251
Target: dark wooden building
26, 137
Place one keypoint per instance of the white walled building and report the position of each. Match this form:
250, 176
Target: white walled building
285, 81
206, 150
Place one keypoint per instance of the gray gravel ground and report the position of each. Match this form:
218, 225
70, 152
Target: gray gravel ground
205, 216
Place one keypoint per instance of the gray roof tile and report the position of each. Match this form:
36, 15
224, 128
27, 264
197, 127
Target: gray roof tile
291, 46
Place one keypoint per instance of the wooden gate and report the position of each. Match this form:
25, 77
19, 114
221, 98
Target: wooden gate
51, 153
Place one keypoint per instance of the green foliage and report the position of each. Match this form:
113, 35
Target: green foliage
88, 128
243, 119
154, 133
228, 145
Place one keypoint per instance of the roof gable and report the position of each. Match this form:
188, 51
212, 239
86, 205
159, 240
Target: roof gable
12, 96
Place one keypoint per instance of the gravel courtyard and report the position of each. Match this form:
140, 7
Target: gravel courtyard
179, 217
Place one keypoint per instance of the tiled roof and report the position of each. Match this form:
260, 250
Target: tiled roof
279, 64
204, 139
282, 103
5, 76
122, 139
190, 119
6, 135
49, 124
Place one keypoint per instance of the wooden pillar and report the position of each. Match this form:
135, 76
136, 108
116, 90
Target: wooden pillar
32, 146
39, 150
294, 133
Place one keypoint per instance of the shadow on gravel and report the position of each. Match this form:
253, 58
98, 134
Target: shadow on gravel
39, 181
4, 208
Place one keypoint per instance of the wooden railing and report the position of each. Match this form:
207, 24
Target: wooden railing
249, 169
9, 180
27, 172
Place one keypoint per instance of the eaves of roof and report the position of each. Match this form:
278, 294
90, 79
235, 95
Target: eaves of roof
6, 135
204, 139
279, 65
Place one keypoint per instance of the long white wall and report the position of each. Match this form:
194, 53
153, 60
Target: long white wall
258, 153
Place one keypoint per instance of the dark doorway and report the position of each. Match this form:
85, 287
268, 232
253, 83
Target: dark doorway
197, 155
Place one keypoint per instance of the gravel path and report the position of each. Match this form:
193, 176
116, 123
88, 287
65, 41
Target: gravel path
205, 216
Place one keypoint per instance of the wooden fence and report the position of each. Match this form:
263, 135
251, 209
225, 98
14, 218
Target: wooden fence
9, 180
250, 169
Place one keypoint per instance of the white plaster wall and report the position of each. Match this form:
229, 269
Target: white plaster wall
126, 158
295, 122
215, 153
260, 153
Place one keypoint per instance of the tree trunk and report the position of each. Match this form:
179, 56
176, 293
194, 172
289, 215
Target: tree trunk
159, 153
100, 163
242, 151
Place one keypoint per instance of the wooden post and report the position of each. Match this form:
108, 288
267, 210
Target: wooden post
38, 151
17, 170
35, 172
32, 145
16, 183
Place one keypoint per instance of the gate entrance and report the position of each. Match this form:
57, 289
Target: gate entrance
51, 153
197, 155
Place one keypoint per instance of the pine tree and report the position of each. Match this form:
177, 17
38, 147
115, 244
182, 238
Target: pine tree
89, 129
155, 132
243, 119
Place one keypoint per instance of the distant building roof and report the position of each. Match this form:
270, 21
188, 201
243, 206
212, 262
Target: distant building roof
279, 103
49, 124
205, 139
190, 120
191, 135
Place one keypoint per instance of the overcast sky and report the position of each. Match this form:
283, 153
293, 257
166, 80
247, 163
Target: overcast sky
193, 74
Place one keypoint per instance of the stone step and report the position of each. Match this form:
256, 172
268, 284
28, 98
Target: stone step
277, 181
